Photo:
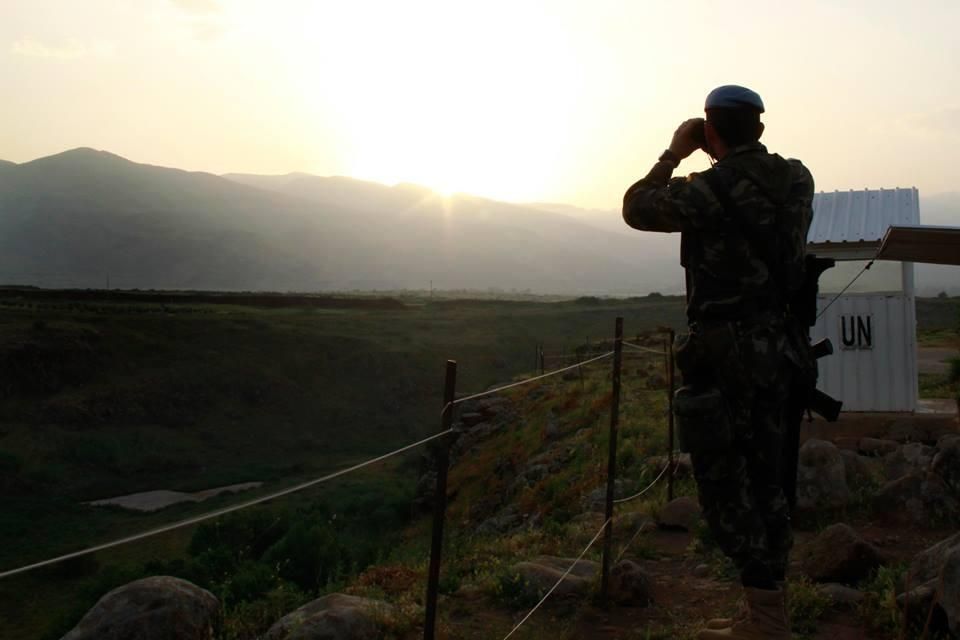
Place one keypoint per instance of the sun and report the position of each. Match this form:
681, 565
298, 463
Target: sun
445, 107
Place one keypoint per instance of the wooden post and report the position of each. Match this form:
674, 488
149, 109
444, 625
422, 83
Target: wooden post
612, 458
440, 503
671, 384
542, 365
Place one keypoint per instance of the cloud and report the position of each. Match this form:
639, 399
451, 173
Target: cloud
198, 7
72, 49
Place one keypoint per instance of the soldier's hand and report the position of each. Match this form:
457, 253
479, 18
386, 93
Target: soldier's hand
688, 137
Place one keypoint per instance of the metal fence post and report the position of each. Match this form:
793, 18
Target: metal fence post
670, 435
440, 502
612, 458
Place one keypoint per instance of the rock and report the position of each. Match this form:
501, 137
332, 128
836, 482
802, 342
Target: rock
905, 431
494, 406
683, 465
507, 520
859, 471
917, 498
467, 438
910, 458
469, 592
876, 447
540, 574
821, 477
551, 431
839, 554
596, 500
841, 594
472, 418
425, 491
656, 381
938, 570
680, 513
946, 462
701, 571
630, 584
155, 608
333, 617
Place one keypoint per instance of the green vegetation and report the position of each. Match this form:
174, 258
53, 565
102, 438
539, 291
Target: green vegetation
806, 604
110, 399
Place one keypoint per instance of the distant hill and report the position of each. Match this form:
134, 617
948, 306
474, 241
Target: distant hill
80, 217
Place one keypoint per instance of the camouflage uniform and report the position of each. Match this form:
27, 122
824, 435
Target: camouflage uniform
743, 251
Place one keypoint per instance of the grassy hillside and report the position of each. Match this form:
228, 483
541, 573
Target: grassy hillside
104, 399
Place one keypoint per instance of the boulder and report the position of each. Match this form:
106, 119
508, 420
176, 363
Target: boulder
876, 447
946, 462
683, 465
630, 584
821, 477
472, 418
333, 617
839, 554
917, 498
541, 573
937, 569
155, 608
596, 500
505, 521
860, 471
680, 513
841, 594
910, 458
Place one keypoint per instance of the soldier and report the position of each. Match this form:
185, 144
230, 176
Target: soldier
744, 225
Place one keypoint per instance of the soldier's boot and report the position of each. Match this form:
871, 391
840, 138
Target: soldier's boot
741, 614
766, 619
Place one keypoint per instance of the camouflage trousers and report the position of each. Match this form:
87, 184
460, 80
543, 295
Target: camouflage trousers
740, 482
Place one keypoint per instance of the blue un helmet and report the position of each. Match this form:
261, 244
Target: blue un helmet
732, 96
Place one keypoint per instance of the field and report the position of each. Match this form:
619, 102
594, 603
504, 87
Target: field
110, 397
105, 397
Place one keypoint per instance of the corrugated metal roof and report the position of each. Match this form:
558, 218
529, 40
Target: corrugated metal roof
861, 216
930, 244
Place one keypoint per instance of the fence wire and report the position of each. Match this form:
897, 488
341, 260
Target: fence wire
495, 390
220, 512
637, 347
645, 489
560, 581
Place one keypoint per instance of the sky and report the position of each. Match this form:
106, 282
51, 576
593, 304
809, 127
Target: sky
519, 100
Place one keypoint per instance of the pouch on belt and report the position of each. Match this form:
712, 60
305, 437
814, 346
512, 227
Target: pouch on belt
703, 419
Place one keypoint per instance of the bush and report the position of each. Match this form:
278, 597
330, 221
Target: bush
513, 590
309, 555
954, 370
806, 604
879, 608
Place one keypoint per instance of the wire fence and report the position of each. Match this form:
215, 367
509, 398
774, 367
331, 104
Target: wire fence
450, 403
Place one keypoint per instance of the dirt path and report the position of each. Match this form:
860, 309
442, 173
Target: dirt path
934, 359
162, 498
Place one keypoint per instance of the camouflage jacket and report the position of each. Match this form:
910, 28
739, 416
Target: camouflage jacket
744, 249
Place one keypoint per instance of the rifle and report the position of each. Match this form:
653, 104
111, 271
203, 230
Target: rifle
804, 396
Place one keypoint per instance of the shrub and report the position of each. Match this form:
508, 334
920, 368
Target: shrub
513, 590
807, 605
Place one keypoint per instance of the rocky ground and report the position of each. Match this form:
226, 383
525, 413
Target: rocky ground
877, 550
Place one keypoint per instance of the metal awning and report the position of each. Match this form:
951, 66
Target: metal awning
921, 243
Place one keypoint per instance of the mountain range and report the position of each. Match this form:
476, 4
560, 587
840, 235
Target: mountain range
88, 218
80, 217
